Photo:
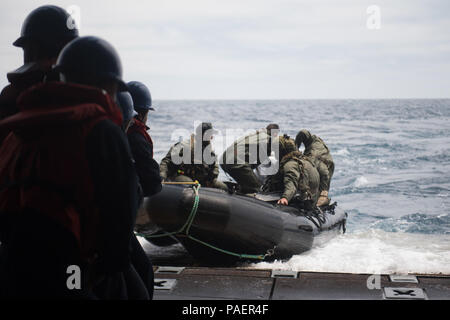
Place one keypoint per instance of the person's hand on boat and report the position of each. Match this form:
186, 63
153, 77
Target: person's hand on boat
283, 201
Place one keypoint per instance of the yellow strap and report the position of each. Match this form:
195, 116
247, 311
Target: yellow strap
181, 183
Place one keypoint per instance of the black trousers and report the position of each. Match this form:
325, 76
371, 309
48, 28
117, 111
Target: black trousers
142, 264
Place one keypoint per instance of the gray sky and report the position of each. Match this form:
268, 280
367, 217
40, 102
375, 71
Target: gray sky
264, 49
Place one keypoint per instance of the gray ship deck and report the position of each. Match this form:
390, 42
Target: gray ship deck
204, 283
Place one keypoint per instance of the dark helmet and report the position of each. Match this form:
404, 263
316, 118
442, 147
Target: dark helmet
204, 127
273, 126
46, 24
142, 98
302, 137
125, 103
89, 60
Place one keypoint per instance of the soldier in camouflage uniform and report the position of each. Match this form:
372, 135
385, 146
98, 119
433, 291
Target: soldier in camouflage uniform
205, 172
317, 150
243, 156
297, 178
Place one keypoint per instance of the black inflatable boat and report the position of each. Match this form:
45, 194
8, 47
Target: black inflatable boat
219, 227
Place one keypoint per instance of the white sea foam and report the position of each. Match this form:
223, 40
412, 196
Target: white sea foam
361, 182
341, 152
374, 252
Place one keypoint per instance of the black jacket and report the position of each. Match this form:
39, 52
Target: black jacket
146, 167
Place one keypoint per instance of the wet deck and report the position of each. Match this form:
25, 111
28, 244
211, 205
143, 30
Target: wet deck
203, 283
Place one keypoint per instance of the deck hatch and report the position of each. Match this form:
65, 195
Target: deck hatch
404, 293
164, 284
284, 274
403, 278
170, 270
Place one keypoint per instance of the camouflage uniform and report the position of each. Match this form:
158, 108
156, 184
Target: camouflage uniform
240, 159
317, 150
204, 173
297, 179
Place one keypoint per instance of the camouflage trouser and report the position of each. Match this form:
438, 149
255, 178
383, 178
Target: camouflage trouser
214, 184
326, 170
244, 176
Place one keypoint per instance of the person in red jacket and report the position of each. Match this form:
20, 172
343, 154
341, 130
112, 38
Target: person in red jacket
45, 32
68, 187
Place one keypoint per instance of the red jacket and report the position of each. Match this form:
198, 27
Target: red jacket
43, 163
140, 127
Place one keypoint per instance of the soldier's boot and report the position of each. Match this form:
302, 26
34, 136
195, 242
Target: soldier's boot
323, 199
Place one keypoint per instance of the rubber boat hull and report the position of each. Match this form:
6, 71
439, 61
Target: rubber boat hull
239, 224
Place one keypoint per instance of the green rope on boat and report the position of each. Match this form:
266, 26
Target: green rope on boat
246, 256
187, 226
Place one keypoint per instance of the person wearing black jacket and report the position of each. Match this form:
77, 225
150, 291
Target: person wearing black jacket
139, 258
141, 143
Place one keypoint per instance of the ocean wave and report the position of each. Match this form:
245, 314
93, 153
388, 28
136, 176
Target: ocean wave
373, 251
360, 182
416, 223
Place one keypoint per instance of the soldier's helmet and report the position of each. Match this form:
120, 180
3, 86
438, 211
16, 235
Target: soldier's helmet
302, 137
273, 127
47, 24
90, 60
205, 127
140, 93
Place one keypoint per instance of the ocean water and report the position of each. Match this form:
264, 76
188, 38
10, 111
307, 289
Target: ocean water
392, 173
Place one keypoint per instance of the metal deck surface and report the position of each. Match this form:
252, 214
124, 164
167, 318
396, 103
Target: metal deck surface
203, 283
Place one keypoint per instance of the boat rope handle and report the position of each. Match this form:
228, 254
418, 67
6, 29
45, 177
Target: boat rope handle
187, 226
188, 223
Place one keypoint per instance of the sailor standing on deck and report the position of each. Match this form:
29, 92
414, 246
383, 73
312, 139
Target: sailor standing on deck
44, 33
318, 151
139, 258
141, 143
69, 184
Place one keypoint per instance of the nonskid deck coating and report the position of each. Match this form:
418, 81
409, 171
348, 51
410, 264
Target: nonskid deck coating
204, 283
